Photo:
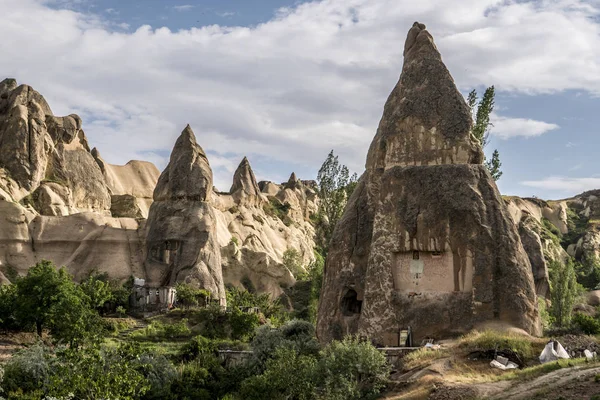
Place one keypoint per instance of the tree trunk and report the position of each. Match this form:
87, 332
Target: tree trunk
38, 325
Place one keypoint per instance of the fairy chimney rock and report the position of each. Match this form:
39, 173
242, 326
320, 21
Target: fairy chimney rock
425, 241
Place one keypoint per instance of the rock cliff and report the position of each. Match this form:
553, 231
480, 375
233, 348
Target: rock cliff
426, 231
63, 202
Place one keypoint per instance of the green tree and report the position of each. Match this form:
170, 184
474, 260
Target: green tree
8, 298
38, 293
481, 111
352, 369
564, 291
190, 296
92, 373
292, 260
494, 165
315, 275
73, 319
98, 289
335, 186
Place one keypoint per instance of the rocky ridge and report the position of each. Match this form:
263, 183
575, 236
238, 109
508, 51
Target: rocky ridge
61, 201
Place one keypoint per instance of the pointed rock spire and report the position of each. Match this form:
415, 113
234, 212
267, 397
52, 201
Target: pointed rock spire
293, 182
188, 174
245, 188
426, 120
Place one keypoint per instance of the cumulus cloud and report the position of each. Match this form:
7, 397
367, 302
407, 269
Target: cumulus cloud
506, 128
564, 184
313, 78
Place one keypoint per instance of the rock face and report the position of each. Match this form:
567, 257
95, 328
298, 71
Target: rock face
131, 186
244, 188
55, 199
426, 232
181, 242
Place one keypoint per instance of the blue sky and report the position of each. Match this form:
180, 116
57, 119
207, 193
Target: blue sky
284, 82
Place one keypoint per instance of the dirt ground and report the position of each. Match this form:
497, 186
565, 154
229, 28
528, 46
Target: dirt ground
11, 342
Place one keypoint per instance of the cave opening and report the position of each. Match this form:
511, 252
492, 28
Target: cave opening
350, 303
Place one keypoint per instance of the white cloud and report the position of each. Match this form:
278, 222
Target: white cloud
506, 127
185, 7
313, 78
564, 184
225, 14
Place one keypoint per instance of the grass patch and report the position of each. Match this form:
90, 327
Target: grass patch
157, 331
489, 340
530, 373
423, 357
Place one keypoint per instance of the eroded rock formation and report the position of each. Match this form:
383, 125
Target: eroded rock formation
182, 241
425, 241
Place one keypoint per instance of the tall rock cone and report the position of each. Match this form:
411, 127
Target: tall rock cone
181, 239
244, 189
426, 241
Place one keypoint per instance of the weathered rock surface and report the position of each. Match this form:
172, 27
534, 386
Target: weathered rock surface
182, 241
426, 232
244, 189
131, 186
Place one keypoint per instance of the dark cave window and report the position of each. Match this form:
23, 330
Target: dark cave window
350, 303
415, 255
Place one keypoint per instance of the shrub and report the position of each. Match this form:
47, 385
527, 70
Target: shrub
200, 345
288, 375
352, 369
91, 373
29, 369
159, 374
189, 296
296, 335
587, 324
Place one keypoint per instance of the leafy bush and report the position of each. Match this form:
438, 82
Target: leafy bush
29, 370
159, 374
200, 345
91, 373
587, 324
295, 335
352, 369
189, 296
292, 260
288, 375
219, 324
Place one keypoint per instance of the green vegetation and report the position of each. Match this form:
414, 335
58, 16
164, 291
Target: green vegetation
564, 291
189, 296
277, 209
482, 341
335, 186
292, 260
481, 111
586, 324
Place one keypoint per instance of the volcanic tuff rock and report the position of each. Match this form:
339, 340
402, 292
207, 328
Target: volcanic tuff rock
181, 242
244, 188
426, 231
57, 198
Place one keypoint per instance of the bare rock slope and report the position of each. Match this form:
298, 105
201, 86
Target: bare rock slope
426, 232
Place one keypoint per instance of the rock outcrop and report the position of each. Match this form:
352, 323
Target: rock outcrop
244, 189
426, 231
181, 242
131, 186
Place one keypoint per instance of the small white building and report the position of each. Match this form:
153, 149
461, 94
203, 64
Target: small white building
148, 297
